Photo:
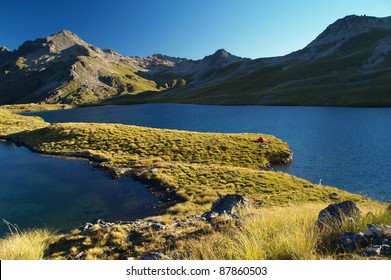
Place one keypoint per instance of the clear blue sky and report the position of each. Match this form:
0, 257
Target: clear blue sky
187, 28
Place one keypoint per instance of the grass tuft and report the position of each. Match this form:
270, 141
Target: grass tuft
26, 245
270, 233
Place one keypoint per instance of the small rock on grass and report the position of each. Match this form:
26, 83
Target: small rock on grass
227, 205
154, 256
378, 231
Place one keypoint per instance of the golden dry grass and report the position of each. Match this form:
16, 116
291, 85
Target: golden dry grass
34, 107
26, 245
278, 233
126, 143
12, 123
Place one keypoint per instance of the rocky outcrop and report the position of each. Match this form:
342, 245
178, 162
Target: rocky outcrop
377, 251
379, 238
374, 242
337, 213
127, 239
349, 242
140, 239
150, 223
284, 158
227, 205
378, 231
345, 28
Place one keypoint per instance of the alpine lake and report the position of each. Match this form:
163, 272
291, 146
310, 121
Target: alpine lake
348, 148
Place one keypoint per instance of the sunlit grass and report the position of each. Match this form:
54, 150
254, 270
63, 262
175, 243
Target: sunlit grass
270, 233
34, 107
12, 123
26, 245
121, 143
279, 233
273, 233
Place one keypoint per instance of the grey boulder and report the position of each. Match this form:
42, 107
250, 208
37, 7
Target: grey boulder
335, 214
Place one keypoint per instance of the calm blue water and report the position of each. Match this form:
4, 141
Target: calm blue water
349, 148
37, 190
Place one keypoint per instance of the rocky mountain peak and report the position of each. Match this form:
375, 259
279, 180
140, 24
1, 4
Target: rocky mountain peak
222, 58
222, 53
67, 33
160, 56
110, 51
4, 49
349, 27
64, 40
53, 44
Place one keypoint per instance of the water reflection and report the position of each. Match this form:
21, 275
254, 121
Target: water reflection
37, 190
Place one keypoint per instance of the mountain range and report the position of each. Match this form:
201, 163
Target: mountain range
348, 64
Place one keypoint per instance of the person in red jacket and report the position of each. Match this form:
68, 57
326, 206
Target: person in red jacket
261, 139
262, 142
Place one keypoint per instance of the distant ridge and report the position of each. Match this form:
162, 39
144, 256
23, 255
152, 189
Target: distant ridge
348, 64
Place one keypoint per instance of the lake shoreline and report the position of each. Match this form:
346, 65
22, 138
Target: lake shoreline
166, 196
189, 170
325, 140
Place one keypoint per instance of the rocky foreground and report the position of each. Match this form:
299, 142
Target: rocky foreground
151, 239
375, 241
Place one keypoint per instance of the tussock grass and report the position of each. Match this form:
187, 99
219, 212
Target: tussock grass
269, 233
279, 233
34, 107
372, 214
26, 245
200, 185
124, 143
12, 123
106, 242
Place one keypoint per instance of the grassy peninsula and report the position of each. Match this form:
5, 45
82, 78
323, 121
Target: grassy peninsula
198, 168
35, 107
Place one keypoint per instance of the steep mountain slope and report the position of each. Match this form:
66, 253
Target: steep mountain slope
62, 68
346, 65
